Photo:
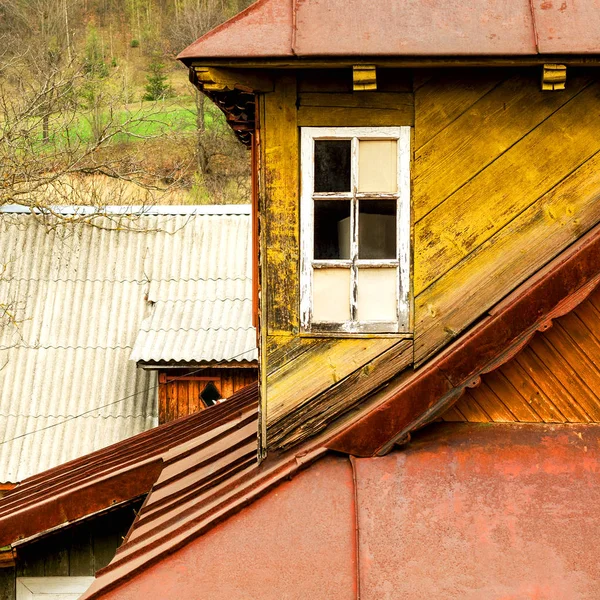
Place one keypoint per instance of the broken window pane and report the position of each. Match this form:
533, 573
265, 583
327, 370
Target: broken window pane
377, 166
331, 295
377, 295
332, 229
377, 229
210, 394
332, 165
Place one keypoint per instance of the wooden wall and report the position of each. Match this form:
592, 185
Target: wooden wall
79, 550
179, 390
554, 379
504, 177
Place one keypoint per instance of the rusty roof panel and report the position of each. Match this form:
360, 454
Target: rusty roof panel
413, 27
567, 26
297, 542
360, 28
480, 511
264, 29
129, 468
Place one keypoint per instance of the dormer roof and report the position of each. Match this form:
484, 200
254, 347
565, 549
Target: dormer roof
440, 28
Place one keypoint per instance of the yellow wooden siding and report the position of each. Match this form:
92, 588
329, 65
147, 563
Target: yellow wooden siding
554, 379
504, 177
498, 190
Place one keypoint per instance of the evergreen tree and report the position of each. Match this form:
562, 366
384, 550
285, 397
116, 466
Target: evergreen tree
157, 87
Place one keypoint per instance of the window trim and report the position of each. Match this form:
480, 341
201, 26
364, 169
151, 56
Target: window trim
30, 587
308, 135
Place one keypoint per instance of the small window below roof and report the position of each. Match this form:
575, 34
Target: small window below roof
49, 588
355, 236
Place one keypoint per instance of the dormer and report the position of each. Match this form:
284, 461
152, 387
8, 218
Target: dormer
412, 168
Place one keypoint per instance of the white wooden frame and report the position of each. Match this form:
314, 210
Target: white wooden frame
30, 588
308, 135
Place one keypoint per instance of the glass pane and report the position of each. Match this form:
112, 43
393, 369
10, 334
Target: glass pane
377, 229
331, 295
332, 165
377, 166
332, 229
377, 295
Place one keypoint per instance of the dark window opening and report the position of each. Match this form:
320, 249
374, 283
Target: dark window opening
332, 229
210, 394
332, 165
377, 229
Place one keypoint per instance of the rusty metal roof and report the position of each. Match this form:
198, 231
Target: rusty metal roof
466, 511
130, 468
359, 28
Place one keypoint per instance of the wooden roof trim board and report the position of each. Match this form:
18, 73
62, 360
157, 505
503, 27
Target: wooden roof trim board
299, 29
400, 409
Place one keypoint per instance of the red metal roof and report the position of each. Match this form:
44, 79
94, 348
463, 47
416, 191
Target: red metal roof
126, 470
359, 28
466, 511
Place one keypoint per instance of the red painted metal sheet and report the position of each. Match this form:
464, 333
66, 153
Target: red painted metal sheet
404, 407
482, 512
297, 542
567, 26
128, 469
436, 28
262, 30
414, 28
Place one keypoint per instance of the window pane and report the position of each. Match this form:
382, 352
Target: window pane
377, 229
377, 166
332, 229
331, 295
377, 295
332, 165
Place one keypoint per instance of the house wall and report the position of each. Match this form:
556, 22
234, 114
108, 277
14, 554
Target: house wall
504, 177
179, 390
79, 550
554, 379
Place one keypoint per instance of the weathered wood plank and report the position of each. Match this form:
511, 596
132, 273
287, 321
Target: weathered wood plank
551, 387
441, 96
567, 376
283, 349
491, 404
317, 370
504, 261
480, 135
327, 116
81, 555
511, 398
279, 137
470, 408
531, 393
590, 317
373, 100
583, 338
509, 186
313, 416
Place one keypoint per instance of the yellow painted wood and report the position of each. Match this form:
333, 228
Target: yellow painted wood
364, 78
511, 184
480, 135
378, 100
279, 136
507, 258
317, 369
327, 116
441, 96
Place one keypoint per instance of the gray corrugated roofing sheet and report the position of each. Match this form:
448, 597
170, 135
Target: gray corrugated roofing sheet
81, 294
206, 316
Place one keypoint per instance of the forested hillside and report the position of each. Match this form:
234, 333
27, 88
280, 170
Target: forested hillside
94, 108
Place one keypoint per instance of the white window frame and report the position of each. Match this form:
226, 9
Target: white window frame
30, 588
308, 135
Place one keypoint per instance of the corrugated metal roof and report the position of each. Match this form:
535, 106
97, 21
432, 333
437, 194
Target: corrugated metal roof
359, 28
208, 316
80, 294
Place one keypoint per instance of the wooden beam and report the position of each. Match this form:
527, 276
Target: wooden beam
222, 80
554, 77
364, 78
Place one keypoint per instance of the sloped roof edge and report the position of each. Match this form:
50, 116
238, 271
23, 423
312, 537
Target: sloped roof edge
552, 292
